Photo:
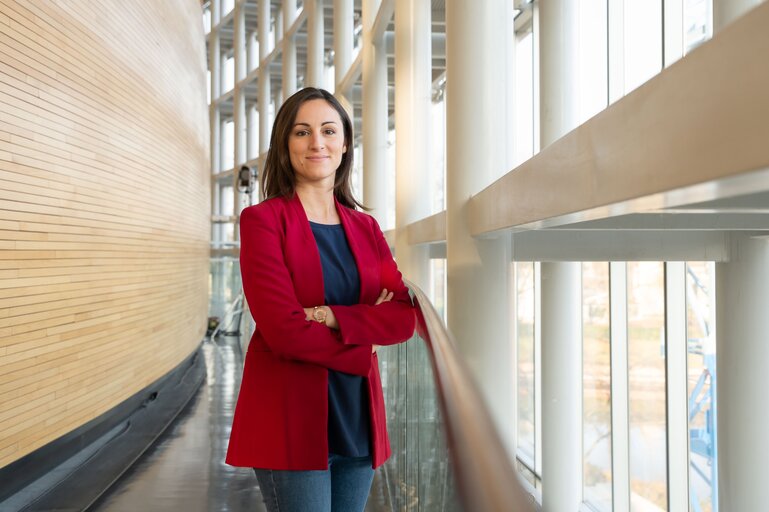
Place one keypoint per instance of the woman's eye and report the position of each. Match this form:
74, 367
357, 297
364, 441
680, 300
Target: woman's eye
301, 133
330, 132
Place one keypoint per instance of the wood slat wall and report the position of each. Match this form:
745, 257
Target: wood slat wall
104, 206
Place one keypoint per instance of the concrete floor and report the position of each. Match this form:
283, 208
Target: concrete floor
185, 469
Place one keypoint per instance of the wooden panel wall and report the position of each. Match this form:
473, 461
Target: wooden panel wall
104, 206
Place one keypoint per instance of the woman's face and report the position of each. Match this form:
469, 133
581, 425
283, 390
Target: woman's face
316, 143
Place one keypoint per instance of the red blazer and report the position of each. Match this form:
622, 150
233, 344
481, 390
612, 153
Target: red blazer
281, 418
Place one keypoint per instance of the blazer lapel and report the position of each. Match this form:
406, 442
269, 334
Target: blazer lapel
307, 269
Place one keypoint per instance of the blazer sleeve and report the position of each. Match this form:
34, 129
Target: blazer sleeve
278, 314
388, 323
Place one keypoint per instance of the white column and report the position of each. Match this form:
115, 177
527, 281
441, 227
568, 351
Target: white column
726, 11
252, 140
413, 103
561, 387
239, 99
742, 362
215, 60
561, 282
343, 32
374, 77
315, 43
264, 77
289, 49
478, 269
216, 12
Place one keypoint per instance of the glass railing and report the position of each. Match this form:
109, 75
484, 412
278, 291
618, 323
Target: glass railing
447, 454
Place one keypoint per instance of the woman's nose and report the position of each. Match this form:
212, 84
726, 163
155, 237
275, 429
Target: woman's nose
316, 141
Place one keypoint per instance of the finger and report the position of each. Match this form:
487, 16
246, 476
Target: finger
389, 296
382, 297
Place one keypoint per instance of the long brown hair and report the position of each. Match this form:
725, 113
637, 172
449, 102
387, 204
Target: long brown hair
278, 179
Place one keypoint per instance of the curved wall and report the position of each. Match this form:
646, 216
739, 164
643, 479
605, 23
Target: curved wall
104, 206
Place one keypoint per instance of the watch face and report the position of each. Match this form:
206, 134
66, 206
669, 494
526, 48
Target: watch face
319, 315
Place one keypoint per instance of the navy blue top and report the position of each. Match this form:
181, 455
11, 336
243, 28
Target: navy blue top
348, 415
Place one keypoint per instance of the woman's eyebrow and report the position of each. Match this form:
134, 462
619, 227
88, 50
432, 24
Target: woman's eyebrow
308, 124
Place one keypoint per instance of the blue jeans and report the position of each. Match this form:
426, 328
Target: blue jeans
343, 487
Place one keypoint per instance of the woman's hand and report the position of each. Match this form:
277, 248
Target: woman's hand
331, 322
374, 348
384, 296
330, 318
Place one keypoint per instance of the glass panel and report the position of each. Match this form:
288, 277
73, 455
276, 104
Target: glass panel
593, 64
226, 200
596, 361
223, 287
390, 169
228, 142
701, 369
525, 350
438, 285
207, 18
524, 97
698, 23
228, 73
418, 476
227, 6
642, 41
356, 177
646, 381
438, 156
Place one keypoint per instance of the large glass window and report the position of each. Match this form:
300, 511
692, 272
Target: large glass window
438, 156
642, 41
438, 285
596, 360
228, 75
356, 177
698, 23
207, 18
390, 194
593, 58
525, 302
701, 378
228, 145
227, 6
647, 386
524, 96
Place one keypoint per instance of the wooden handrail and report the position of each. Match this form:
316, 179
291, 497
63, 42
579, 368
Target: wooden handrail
484, 474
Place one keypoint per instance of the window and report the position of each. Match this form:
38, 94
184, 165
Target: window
635, 52
524, 96
438, 156
701, 378
228, 73
596, 394
438, 285
698, 23
593, 58
647, 386
390, 170
228, 141
525, 302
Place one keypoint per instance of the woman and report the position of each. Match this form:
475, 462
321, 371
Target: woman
324, 292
